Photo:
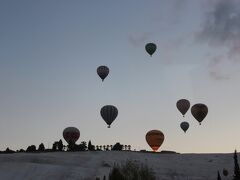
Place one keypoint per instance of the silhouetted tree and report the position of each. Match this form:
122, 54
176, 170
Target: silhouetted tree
72, 146
9, 151
54, 146
41, 147
90, 146
104, 147
236, 175
60, 145
117, 147
21, 150
80, 147
111, 146
31, 148
100, 147
219, 177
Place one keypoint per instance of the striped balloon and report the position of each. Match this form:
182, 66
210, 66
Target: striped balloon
183, 105
199, 112
102, 72
109, 114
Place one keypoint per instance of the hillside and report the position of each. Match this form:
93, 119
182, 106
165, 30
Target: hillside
88, 165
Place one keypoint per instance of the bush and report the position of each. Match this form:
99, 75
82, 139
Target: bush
131, 171
31, 148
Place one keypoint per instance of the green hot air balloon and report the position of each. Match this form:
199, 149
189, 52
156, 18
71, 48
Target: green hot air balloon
150, 48
109, 114
184, 126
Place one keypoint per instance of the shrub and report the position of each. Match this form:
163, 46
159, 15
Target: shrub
131, 171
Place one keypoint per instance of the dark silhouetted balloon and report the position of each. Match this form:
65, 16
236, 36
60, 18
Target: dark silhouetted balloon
199, 112
103, 72
154, 139
71, 134
150, 48
109, 114
225, 172
183, 105
184, 125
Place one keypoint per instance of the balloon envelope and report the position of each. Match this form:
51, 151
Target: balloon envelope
71, 134
102, 72
183, 105
154, 139
150, 48
199, 112
109, 114
184, 125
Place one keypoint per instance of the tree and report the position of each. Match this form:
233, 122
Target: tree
90, 146
31, 148
9, 151
60, 145
236, 175
41, 147
54, 147
80, 147
219, 177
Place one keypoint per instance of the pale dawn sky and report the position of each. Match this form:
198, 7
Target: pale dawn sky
50, 50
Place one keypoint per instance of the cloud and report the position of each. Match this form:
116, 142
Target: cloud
222, 26
221, 30
139, 39
218, 76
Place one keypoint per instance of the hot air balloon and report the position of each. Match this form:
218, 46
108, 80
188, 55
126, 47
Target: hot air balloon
102, 72
199, 112
109, 114
150, 48
154, 139
183, 105
71, 134
184, 125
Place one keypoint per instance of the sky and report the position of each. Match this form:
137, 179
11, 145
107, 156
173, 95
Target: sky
50, 50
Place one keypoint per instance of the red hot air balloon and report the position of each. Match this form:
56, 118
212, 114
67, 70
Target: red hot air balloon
154, 139
71, 134
183, 105
199, 112
102, 72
